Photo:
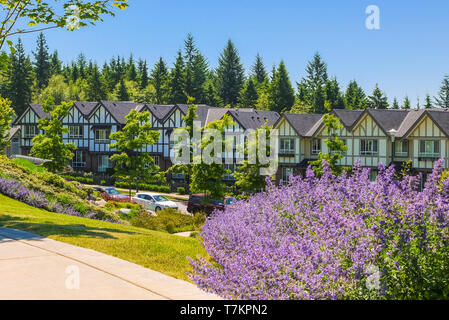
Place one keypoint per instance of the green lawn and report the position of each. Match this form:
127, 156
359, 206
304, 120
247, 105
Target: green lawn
155, 250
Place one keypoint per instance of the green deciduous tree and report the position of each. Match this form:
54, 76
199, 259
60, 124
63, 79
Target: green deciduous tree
131, 164
50, 145
6, 115
335, 147
40, 15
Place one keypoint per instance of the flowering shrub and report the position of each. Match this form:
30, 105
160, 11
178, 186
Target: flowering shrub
332, 238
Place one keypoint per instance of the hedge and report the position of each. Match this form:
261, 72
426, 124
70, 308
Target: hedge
144, 186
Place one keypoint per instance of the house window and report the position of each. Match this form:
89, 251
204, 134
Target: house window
401, 148
156, 162
286, 173
316, 146
79, 160
229, 176
287, 146
75, 132
369, 147
429, 148
102, 135
29, 131
103, 163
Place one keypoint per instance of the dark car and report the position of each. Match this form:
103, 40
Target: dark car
111, 194
196, 204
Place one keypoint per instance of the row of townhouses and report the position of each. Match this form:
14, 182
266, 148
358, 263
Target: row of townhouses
373, 136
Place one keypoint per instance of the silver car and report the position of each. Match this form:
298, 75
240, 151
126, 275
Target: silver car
154, 202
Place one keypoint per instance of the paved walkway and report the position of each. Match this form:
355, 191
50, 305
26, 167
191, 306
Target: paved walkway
34, 267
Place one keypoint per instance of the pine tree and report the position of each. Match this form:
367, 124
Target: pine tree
355, 98
81, 61
334, 98
211, 97
407, 104
230, 75
42, 62
378, 100
248, 95
143, 74
311, 88
258, 71
55, 64
159, 78
21, 79
190, 53
428, 104
122, 92
177, 82
195, 73
282, 93
132, 72
442, 100
96, 86
395, 104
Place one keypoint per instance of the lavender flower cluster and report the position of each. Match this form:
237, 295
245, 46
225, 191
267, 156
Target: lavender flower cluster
320, 238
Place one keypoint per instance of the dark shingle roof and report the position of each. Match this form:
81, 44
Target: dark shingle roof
409, 122
441, 119
86, 107
348, 117
303, 123
37, 108
254, 119
120, 109
160, 111
388, 119
202, 111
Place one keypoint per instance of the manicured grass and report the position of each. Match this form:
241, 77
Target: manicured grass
29, 165
155, 250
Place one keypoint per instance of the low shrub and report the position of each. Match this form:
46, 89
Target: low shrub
144, 187
84, 180
181, 190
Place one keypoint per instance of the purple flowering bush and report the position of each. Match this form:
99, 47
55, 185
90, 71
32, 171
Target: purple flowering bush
333, 237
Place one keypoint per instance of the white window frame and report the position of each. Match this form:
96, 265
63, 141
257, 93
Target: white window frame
291, 147
371, 147
315, 147
432, 148
105, 139
75, 132
399, 147
286, 173
79, 160
27, 134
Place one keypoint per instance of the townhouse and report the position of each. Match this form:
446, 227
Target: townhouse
374, 136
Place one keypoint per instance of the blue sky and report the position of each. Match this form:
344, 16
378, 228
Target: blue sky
409, 55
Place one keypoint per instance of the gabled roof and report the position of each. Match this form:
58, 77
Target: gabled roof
160, 111
202, 111
303, 123
12, 131
388, 119
37, 108
85, 107
348, 118
254, 119
409, 122
120, 109
441, 118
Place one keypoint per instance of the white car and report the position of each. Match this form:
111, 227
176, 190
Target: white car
154, 202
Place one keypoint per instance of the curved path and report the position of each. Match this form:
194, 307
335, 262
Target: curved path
34, 267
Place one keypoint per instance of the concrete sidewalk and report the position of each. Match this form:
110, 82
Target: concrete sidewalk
34, 267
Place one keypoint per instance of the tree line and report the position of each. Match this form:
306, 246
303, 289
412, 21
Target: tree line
25, 79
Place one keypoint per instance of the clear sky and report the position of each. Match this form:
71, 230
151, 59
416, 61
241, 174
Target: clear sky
409, 55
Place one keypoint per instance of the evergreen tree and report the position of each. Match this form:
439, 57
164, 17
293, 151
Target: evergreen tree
230, 75
442, 100
21, 79
395, 104
258, 71
143, 74
407, 104
334, 98
97, 88
132, 72
355, 98
42, 62
428, 104
74, 72
190, 53
248, 95
378, 100
81, 61
211, 97
55, 64
196, 68
177, 81
311, 89
159, 78
122, 92
282, 93
6, 115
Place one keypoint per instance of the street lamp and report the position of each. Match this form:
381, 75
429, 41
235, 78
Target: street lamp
392, 133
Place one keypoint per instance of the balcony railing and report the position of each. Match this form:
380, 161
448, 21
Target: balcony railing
78, 164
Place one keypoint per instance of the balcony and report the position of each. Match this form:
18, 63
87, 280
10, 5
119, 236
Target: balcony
428, 156
286, 152
78, 164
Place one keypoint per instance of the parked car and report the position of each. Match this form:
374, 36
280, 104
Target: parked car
195, 204
111, 194
154, 202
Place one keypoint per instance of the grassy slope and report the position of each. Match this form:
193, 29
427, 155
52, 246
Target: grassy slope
155, 250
